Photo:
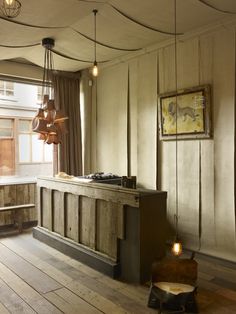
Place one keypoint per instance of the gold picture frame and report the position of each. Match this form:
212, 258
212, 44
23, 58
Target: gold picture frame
192, 112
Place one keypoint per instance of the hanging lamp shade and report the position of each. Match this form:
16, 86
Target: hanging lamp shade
51, 139
35, 121
48, 122
60, 117
10, 8
42, 136
39, 125
40, 114
50, 111
45, 99
52, 129
53, 136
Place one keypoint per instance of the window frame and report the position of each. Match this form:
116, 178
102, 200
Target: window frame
31, 134
5, 128
15, 138
5, 89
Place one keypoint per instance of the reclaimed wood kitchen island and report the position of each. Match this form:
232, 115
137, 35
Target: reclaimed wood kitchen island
116, 230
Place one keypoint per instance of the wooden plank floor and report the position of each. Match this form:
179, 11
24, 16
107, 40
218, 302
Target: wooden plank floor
35, 278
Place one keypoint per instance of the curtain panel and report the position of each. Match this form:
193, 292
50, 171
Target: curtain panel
67, 99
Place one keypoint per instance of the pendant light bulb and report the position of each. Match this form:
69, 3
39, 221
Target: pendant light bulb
95, 66
177, 248
9, 2
95, 69
10, 8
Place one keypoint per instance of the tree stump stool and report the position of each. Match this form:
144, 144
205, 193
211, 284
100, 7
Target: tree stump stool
173, 286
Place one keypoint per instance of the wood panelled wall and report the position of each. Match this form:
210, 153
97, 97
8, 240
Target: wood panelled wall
205, 167
17, 194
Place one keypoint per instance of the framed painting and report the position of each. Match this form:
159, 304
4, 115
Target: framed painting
185, 114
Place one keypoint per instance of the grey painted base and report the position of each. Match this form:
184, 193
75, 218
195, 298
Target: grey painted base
77, 252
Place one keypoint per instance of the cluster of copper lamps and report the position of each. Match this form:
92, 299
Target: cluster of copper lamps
48, 122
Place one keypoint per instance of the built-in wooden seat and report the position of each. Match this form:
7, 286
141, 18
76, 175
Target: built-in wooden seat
17, 211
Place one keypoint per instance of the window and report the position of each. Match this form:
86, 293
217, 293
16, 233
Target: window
32, 150
39, 94
6, 128
7, 147
21, 153
6, 88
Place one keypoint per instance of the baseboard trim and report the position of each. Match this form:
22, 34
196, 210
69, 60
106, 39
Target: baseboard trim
77, 252
187, 252
211, 258
25, 225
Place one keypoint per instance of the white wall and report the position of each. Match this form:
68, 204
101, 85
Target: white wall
205, 167
26, 95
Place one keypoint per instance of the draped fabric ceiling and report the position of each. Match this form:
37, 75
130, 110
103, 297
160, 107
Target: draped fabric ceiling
123, 26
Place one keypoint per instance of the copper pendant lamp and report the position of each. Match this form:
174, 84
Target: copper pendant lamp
48, 122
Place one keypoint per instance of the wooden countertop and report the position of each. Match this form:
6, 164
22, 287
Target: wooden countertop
17, 180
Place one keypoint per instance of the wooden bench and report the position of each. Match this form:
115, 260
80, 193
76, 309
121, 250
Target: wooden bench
17, 212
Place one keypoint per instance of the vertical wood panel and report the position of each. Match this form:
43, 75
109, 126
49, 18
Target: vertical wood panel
167, 150
2, 216
188, 151
112, 120
58, 212
106, 241
188, 196
207, 150
147, 117
187, 199
9, 199
47, 208
133, 66
22, 197
224, 99
188, 63
72, 216
167, 69
9, 195
120, 221
87, 221
1, 196
39, 205
32, 200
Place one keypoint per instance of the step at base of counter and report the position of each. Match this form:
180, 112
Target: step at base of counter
78, 252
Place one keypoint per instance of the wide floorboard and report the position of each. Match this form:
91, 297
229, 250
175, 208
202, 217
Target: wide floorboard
35, 278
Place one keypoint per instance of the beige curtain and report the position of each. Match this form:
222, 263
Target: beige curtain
67, 99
